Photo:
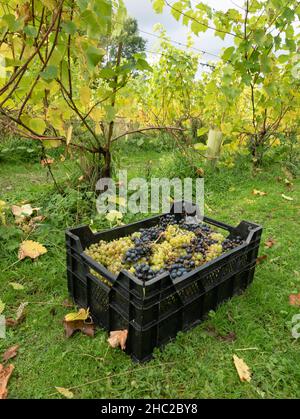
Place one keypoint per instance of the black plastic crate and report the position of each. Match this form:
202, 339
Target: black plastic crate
155, 311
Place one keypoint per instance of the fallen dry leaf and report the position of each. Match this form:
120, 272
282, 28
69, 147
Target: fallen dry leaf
23, 211
259, 193
65, 392
31, 249
20, 316
82, 314
295, 300
87, 328
5, 373
200, 172
287, 198
118, 338
229, 337
47, 162
270, 243
10, 353
261, 258
242, 369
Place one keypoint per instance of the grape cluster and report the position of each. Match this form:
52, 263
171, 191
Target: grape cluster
229, 244
166, 220
143, 271
171, 246
136, 253
110, 254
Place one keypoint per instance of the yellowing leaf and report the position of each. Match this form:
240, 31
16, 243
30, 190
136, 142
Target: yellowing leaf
242, 369
114, 215
52, 143
287, 198
202, 131
65, 392
31, 249
85, 95
82, 314
16, 286
200, 147
37, 125
2, 306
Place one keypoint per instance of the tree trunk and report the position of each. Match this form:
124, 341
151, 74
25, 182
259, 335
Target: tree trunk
106, 170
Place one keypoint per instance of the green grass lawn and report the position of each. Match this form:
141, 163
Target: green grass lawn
197, 364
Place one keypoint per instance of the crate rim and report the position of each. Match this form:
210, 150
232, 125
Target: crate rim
112, 278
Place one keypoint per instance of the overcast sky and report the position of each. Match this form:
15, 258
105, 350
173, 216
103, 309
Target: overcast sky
147, 18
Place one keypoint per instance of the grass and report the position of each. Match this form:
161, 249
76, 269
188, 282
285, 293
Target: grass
260, 318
